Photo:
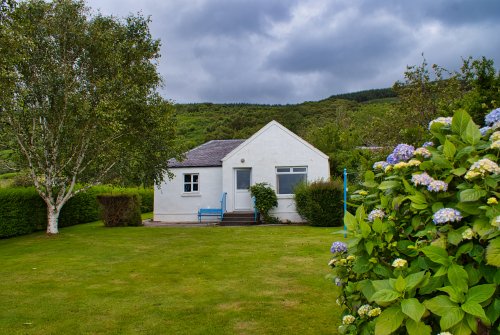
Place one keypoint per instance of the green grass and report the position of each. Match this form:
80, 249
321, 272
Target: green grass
154, 280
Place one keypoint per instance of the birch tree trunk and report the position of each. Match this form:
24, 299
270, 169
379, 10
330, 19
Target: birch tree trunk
52, 220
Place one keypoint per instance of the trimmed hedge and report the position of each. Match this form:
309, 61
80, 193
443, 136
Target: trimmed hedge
320, 203
120, 210
22, 210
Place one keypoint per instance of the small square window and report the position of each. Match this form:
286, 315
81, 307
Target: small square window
191, 182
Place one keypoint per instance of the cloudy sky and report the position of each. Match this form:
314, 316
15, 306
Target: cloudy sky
290, 51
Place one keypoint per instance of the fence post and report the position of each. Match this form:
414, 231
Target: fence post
345, 200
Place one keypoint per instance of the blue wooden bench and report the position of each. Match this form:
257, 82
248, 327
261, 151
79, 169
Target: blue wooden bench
218, 212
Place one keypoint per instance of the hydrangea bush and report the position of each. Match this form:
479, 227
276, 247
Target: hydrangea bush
424, 242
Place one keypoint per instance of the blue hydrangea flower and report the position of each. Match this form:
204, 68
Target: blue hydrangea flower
445, 215
338, 247
492, 117
421, 179
484, 130
402, 153
381, 165
376, 214
428, 144
437, 186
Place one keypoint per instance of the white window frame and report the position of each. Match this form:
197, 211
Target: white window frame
191, 183
290, 170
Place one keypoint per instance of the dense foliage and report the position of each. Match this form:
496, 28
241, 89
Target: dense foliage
265, 200
320, 203
425, 240
22, 211
120, 210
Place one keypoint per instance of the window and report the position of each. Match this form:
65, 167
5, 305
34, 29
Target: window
191, 183
289, 177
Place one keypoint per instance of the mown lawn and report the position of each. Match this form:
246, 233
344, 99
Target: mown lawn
157, 280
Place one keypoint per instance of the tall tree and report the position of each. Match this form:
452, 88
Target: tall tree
79, 96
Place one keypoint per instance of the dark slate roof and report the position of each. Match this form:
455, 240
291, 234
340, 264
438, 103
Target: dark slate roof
208, 154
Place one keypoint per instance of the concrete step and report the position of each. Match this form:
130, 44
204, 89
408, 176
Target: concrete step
238, 219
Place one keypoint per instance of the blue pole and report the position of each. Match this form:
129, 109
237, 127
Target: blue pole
345, 199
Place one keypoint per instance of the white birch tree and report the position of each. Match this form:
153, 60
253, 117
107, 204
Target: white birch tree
79, 100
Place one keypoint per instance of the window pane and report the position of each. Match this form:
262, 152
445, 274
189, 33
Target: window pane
195, 178
187, 178
243, 179
187, 187
286, 182
282, 170
300, 169
195, 187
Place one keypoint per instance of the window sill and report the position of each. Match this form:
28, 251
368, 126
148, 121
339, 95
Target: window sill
285, 196
190, 194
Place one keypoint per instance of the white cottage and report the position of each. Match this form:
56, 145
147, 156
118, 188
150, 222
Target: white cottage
274, 155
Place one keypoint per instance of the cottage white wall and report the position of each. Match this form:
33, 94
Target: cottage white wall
171, 204
272, 148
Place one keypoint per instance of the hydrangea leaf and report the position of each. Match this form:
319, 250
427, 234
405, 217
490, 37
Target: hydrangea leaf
414, 280
413, 308
480, 293
378, 226
493, 252
451, 318
470, 195
460, 121
474, 274
466, 151
472, 134
385, 295
493, 311
462, 328
400, 284
388, 184
365, 229
436, 254
471, 322
458, 277
390, 320
475, 309
459, 171
417, 328
449, 150
350, 221
455, 296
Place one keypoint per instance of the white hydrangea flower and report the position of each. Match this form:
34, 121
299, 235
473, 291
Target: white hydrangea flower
399, 263
348, 319
468, 234
374, 312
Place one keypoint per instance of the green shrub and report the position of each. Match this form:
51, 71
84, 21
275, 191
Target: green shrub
22, 210
120, 210
265, 200
424, 249
321, 202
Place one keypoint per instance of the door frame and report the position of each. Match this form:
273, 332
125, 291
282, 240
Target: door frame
236, 191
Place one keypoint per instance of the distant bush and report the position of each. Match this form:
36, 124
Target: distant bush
22, 210
320, 202
265, 200
120, 210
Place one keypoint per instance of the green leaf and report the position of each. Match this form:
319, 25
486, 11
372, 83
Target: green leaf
361, 265
414, 279
458, 277
451, 318
369, 247
418, 198
459, 171
350, 222
449, 150
480, 293
389, 320
459, 122
413, 308
464, 152
417, 328
381, 284
365, 229
455, 296
471, 195
461, 328
400, 284
493, 252
436, 254
388, 184
454, 237
440, 305
384, 296
378, 226
475, 309
441, 162
471, 322
464, 249
472, 134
